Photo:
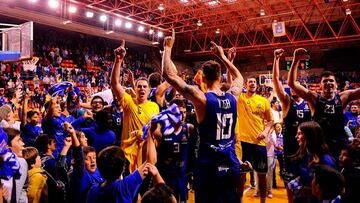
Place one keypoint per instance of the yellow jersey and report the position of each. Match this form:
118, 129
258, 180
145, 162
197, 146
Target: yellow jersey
136, 115
252, 113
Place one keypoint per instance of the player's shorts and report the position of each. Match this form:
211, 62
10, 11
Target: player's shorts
216, 183
256, 155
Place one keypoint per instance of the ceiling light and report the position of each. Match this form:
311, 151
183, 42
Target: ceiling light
161, 7
118, 22
141, 28
262, 12
199, 23
128, 25
151, 31
217, 31
53, 3
155, 43
345, 0
109, 32
184, 1
103, 18
66, 22
348, 11
89, 14
72, 9
33, 1
213, 3
160, 34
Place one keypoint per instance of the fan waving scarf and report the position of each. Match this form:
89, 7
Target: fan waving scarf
9, 164
59, 89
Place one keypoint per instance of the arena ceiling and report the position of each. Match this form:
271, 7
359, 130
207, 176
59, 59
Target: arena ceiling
245, 24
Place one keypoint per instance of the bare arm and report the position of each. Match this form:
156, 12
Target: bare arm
238, 80
349, 96
160, 93
278, 87
24, 110
298, 89
192, 93
118, 90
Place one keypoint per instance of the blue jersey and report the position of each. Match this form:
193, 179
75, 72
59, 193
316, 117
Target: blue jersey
217, 131
29, 133
173, 151
297, 114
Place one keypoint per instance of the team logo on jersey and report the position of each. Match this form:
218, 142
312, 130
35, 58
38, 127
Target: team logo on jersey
306, 107
184, 138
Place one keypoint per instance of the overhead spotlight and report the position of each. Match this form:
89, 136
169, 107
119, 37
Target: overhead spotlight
160, 34
109, 32
161, 7
217, 31
53, 3
151, 31
72, 9
348, 11
155, 43
103, 18
199, 23
345, 0
213, 3
128, 25
118, 22
184, 1
141, 28
89, 14
262, 12
33, 1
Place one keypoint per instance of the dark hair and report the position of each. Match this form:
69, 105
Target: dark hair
315, 144
354, 104
154, 79
250, 77
160, 193
178, 102
97, 97
211, 70
330, 181
31, 113
30, 154
41, 143
326, 74
353, 152
102, 120
88, 149
11, 134
110, 162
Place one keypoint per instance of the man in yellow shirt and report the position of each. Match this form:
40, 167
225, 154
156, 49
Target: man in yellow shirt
137, 111
255, 121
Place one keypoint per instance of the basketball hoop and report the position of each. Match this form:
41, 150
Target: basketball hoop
30, 65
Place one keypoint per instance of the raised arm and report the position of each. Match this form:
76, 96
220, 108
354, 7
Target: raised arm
349, 96
294, 85
231, 56
278, 87
160, 93
238, 80
194, 94
24, 109
115, 73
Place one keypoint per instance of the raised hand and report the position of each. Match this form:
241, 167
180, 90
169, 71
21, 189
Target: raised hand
88, 115
169, 40
120, 52
278, 53
216, 49
299, 54
231, 54
68, 142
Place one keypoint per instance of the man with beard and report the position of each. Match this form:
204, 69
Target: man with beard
327, 106
295, 111
255, 123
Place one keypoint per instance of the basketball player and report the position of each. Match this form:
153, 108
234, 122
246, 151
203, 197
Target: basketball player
218, 169
295, 111
327, 106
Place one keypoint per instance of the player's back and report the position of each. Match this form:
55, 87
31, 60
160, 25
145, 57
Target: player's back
217, 130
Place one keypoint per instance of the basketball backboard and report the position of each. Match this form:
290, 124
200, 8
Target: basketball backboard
16, 41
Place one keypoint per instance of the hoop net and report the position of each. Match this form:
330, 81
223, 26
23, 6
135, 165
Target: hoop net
30, 65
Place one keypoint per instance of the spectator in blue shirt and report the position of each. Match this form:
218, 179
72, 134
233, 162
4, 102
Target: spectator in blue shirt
351, 116
100, 136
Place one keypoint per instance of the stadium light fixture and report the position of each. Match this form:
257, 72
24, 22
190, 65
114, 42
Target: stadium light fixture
160, 34
53, 4
217, 31
141, 28
118, 22
161, 7
199, 23
348, 11
128, 25
33, 1
72, 9
262, 12
151, 31
103, 18
89, 14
